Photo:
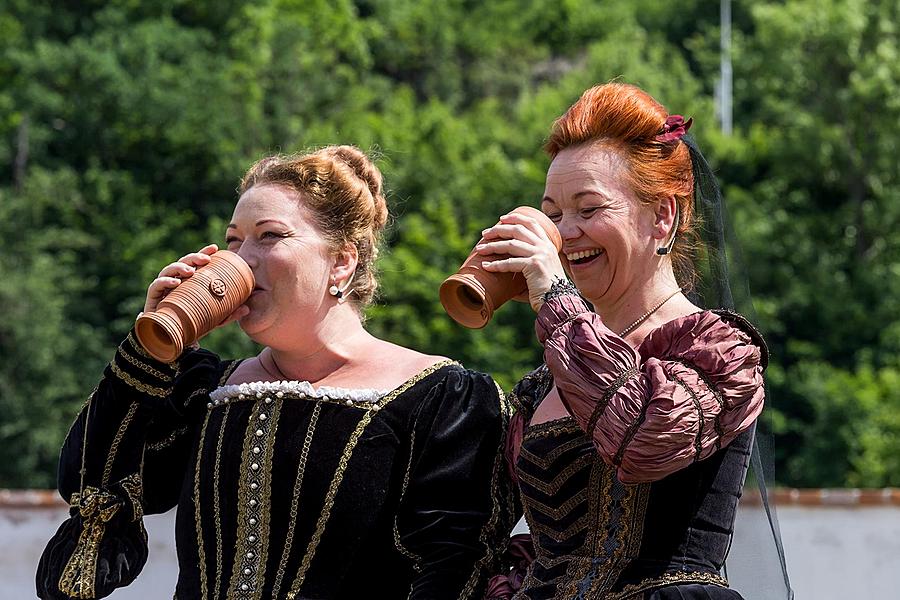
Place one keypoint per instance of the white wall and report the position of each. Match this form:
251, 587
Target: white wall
834, 553
24, 532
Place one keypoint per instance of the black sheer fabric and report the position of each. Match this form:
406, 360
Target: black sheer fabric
756, 563
281, 494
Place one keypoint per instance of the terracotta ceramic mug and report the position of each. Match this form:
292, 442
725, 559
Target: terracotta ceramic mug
472, 295
196, 306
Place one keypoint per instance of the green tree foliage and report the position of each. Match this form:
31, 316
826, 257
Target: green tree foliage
125, 126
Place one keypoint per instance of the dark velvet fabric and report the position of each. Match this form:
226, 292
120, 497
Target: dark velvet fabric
693, 591
402, 502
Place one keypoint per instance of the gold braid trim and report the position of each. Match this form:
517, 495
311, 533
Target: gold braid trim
629, 591
114, 447
96, 509
167, 441
415, 558
139, 386
217, 503
136, 345
198, 520
228, 371
342, 467
143, 366
133, 487
295, 502
488, 534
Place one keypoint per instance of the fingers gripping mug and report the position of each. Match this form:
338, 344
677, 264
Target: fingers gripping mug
471, 295
196, 306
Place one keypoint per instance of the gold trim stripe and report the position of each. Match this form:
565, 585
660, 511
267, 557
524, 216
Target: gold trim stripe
678, 577
492, 546
138, 385
295, 498
201, 553
143, 366
217, 503
114, 447
415, 558
342, 467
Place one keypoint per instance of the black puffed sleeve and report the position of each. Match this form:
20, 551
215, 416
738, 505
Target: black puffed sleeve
456, 509
114, 467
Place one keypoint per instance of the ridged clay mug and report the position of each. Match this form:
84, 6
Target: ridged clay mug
196, 306
471, 295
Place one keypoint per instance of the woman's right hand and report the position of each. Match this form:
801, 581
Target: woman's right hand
172, 275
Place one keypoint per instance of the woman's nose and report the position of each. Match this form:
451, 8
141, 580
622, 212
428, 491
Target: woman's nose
247, 252
568, 229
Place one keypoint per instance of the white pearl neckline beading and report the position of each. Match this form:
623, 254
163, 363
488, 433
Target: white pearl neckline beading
301, 389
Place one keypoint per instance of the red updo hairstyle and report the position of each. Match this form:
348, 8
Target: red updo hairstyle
626, 119
343, 189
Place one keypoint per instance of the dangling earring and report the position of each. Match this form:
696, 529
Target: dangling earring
663, 250
341, 294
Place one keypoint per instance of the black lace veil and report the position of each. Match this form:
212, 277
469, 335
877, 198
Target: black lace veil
756, 564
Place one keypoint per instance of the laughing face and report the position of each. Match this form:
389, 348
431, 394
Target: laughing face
609, 246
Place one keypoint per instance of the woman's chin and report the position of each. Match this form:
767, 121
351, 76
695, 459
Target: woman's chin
592, 288
250, 324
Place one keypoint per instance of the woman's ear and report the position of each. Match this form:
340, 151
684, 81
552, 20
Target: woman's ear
344, 267
664, 217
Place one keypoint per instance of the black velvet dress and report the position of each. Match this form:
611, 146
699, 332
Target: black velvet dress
283, 491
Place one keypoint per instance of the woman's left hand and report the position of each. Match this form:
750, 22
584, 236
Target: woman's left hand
529, 251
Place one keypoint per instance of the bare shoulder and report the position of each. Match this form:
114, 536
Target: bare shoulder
393, 365
394, 357
248, 370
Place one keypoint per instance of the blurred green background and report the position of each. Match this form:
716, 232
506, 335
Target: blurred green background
125, 126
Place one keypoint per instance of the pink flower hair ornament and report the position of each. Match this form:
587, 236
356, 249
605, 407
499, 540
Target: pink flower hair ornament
674, 129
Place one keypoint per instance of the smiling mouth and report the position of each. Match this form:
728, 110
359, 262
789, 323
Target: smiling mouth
584, 257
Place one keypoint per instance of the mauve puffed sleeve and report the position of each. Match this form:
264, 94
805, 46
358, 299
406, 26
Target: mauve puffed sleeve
456, 511
696, 385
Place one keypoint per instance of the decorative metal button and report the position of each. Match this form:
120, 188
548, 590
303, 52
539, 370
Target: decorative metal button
217, 287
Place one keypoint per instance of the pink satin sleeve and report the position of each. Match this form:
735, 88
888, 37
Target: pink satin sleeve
700, 386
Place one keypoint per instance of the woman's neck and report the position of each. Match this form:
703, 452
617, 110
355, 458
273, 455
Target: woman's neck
332, 347
640, 297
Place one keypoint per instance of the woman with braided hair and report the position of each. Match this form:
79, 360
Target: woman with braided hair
332, 465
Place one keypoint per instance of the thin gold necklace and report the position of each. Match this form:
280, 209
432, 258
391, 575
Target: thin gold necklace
279, 376
647, 314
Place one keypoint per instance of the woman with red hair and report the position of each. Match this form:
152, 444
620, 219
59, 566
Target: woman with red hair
631, 442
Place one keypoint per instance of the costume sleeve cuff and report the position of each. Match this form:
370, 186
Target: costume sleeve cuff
558, 309
136, 368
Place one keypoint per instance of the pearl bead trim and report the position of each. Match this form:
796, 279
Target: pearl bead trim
293, 389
